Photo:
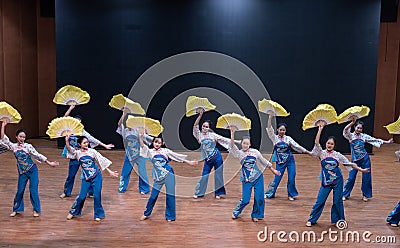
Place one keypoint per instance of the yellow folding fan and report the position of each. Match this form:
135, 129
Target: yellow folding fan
394, 128
70, 94
234, 120
193, 103
152, 127
323, 112
357, 111
8, 113
119, 102
59, 127
271, 107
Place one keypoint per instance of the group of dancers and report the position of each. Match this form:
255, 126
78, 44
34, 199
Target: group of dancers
141, 147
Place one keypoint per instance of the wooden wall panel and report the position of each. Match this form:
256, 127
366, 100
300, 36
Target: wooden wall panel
387, 104
28, 41
1, 53
46, 42
19, 62
12, 58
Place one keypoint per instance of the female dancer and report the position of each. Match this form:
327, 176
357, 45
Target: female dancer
92, 177
132, 156
211, 156
73, 163
251, 177
283, 157
394, 216
162, 174
27, 170
332, 179
360, 156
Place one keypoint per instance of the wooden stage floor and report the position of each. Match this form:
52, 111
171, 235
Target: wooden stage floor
203, 222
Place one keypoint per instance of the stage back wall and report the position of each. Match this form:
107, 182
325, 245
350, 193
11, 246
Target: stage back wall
304, 52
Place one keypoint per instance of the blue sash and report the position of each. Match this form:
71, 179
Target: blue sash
208, 149
281, 153
330, 172
358, 151
161, 168
24, 161
89, 167
73, 142
132, 147
250, 172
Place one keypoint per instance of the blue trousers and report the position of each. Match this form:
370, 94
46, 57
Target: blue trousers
218, 164
291, 184
366, 184
69, 182
33, 176
126, 174
337, 210
394, 216
170, 208
96, 184
259, 202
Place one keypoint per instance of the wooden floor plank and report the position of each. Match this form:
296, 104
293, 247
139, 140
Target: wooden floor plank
203, 222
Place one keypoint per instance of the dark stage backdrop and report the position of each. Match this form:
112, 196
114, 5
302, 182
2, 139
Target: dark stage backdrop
304, 52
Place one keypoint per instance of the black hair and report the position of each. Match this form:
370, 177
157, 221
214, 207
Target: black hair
80, 139
19, 131
281, 124
78, 117
208, 121
332, 138
162, 142
246, 137
359, 123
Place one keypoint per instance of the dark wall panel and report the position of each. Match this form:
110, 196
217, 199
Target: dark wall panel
305, 53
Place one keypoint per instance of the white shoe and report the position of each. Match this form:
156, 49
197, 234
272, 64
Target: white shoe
254, 219
394, 224
234, 217
345, 198
308, 223
291, 198
218, 197
63, 195
144, 217
97, 219
35, 214
365, 199
13, 214
195, 196
70, 216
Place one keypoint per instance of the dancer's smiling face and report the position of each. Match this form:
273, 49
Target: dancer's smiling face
157, 143
205, 127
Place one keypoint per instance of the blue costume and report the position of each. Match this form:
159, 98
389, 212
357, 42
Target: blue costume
360, 156
251, 177
74, 163
332, 179
212, 158
27, 170
132, 156
394, 215
162, 174
283, 157
91, 178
